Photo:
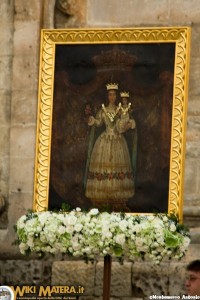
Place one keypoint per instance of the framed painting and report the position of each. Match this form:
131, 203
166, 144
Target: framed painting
111, 119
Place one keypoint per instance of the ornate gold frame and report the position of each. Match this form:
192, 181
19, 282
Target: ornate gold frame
50, 38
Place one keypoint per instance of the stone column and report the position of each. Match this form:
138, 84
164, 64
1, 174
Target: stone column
192, 171
27, 24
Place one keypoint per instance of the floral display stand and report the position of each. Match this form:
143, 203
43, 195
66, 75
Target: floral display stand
107, 277
92, 234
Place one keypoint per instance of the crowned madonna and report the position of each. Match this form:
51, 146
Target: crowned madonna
110, 163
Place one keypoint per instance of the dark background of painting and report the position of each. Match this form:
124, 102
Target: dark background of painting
81, 72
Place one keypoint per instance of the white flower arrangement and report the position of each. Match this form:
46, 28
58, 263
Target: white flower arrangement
92, 234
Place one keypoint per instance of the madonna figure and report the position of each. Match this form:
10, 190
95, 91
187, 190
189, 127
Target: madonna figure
109, 172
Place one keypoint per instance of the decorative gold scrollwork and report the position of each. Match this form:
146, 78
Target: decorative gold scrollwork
50, 38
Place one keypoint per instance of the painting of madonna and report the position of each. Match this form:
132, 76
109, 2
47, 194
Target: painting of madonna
109, 178
111, 127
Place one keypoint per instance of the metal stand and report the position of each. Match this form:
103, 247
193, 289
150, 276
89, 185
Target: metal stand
107, 277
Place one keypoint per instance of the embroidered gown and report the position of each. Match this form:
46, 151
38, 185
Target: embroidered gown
110, 174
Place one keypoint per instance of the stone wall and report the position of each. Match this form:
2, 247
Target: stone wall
21, 83
20, 24
6, 59
128, 280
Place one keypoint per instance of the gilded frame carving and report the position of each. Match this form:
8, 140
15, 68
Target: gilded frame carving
179, 36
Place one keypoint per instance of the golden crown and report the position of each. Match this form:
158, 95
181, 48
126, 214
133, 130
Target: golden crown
124, 94
112, 86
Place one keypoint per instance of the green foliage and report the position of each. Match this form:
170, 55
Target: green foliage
65, 207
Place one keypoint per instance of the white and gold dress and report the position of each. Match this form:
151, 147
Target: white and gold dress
110, 174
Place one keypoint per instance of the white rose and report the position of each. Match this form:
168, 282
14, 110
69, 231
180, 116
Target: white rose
145, 225
165, 219
92, 224
94, 212
72, 220
23, 247
123, 225
69, 229
70, 249
100, 243
77, 253
155, 244
157, 222
61, 217
143, 248
78, 227
139, 241
130, 224
172, 227
120, 239
76, 246
136, 228
47, 248
22, 219
106, 234
61, 229
43, 217
151, 218
160, 240
186, 241
87, 250
20, 223
39, 228
132, 236
53, 250
51, 227
30, 242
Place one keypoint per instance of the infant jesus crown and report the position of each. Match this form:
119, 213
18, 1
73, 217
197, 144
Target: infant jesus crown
112, 86
124, 94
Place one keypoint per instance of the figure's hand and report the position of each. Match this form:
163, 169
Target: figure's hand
128, 125
131, 124
91, 121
